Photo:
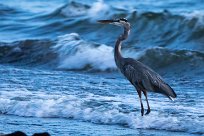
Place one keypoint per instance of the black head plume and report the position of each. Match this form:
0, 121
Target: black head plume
123, 19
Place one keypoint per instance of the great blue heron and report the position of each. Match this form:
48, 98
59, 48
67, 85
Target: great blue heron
140, 76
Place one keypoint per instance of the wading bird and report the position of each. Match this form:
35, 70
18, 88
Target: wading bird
140, 76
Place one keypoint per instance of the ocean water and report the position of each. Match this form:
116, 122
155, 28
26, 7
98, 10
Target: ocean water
57, 70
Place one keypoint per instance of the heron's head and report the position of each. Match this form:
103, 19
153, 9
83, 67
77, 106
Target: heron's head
119, 22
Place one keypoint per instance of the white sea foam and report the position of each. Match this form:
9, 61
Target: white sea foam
96, 109
75, 53
77, 9
196, 15
98, 8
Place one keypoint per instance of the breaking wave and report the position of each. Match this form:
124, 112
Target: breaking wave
149, 28
71, 52
75, 53
98, 109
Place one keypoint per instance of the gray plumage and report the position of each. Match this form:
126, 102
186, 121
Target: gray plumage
140, 76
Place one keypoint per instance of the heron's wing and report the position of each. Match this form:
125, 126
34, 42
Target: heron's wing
158, 85
131, 74
138, 73
134, 76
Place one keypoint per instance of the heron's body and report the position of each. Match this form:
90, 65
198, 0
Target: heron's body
140, 76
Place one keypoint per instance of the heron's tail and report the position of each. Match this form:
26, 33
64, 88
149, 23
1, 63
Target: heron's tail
166, 90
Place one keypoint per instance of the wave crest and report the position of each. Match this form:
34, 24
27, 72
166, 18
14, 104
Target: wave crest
75, 53
71, 52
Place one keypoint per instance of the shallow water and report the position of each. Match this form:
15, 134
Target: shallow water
99, 98
58, 74
64, 127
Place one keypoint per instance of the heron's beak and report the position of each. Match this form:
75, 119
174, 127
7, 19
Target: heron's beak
107, 21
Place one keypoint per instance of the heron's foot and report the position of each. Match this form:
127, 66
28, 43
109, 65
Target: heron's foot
148, 111
142, 111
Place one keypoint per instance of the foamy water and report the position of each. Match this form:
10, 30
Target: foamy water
116, 110
100, 102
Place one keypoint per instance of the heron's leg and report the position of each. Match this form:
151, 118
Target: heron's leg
148, 110
140, 97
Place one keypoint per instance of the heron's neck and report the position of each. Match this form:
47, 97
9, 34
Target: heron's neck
117, 50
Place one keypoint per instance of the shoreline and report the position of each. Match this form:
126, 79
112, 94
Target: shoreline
63, 127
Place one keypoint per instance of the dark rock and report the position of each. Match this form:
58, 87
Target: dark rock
41, 134
17, 133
